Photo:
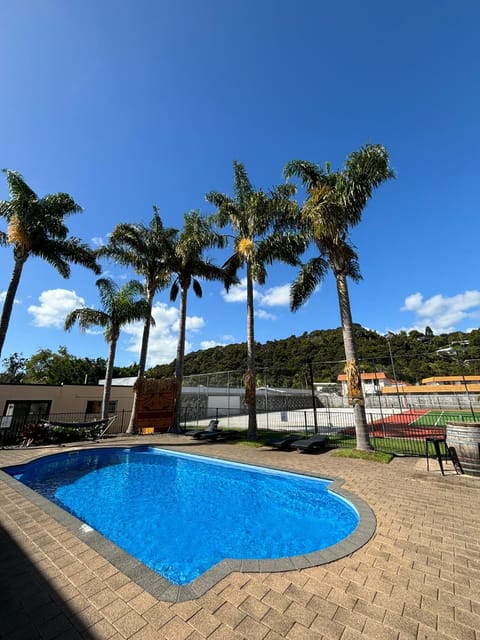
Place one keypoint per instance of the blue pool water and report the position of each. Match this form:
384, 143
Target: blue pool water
181, 514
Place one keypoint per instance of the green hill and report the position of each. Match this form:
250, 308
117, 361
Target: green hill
287, 362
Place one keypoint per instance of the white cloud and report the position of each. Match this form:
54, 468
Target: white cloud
97, 241
443, 314
195, 323
238, 293
162, 345
54, 306
209, 344
277, 296
3, 295
264, 315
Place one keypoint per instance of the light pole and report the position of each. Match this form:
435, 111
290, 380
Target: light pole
312, 390
389, 336
450, 351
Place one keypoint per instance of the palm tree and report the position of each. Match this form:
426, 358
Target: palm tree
186, 265
335, 202
36, 227
146, 249
121, 306
262, 226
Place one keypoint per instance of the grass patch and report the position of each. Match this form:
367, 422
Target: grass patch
248, 443
373, 456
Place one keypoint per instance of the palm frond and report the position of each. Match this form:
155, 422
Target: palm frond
310, 276
259, 273
6, 210
344, 260
284, 247
242, 187
234, 262
174, 289
197, 288
147, 249
107, 289
227, 210
364, 171
59, 205
309, 173
217, 199
86, 318
17, 187
61, 253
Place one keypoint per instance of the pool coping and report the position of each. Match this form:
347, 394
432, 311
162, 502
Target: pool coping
163, 589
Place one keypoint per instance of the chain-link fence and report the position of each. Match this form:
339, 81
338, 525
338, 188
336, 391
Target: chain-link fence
397, 422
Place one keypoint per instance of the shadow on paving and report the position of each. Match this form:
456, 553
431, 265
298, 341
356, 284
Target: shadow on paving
31, 607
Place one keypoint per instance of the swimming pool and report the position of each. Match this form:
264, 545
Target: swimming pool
181, 515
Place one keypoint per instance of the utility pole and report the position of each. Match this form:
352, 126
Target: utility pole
450, 351
389, 337
314, 398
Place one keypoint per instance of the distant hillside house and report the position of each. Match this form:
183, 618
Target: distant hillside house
441, 384
373, 384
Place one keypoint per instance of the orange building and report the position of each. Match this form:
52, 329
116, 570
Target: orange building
372, 383
440, 384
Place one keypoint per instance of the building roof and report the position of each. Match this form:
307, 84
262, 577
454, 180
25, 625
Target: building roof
450, 379
432, 388
377, 375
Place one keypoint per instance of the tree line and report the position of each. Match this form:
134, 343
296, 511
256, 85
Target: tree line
264, 227
280, 363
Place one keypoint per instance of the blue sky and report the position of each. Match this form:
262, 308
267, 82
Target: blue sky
128, 104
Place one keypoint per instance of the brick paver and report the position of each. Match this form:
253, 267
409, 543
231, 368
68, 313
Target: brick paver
418, 578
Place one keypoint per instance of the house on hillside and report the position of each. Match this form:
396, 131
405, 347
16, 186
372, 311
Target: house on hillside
373, 384
440, 385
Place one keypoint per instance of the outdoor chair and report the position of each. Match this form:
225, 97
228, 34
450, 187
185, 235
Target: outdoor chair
217, 434
283, 443
211, 428
309, 445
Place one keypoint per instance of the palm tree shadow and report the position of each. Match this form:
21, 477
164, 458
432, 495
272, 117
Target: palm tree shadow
31, 606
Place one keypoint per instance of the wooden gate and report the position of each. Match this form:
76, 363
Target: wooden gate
156, 400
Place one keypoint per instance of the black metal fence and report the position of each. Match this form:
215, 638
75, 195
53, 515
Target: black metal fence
390, 429
20, 426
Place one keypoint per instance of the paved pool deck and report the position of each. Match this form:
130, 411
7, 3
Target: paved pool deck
418, 577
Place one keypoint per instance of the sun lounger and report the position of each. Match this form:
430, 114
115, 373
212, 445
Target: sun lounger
283, 443
214, 436
211, 428
314, 443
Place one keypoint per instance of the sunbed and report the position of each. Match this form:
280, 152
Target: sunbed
314, 443
283, 443
218, 434
211, 428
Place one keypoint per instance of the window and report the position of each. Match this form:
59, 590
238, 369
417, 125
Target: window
21, 412
94, 407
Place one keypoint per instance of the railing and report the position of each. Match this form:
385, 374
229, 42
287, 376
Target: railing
14, 433
389, 429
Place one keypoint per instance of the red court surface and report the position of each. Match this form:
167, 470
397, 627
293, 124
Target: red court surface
401, 425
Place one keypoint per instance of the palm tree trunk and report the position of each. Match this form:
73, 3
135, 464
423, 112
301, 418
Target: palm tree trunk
108, 378
141, 364
355, 388
179, 363
10, 297
250, 377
